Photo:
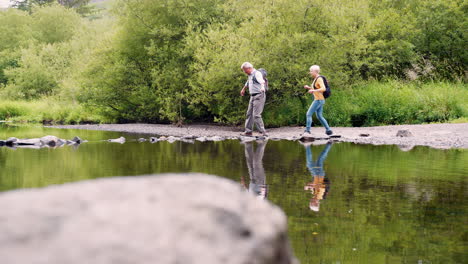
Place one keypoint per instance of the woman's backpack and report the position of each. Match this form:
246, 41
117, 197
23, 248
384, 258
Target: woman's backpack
327, 92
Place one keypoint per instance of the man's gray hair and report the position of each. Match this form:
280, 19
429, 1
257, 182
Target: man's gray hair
246, 65
315, 68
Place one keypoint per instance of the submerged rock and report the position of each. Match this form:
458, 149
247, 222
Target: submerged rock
120, 140
143, 220
142, 140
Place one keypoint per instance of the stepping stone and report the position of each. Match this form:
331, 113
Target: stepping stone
404, 133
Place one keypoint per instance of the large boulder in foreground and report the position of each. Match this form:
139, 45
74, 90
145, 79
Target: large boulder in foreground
192, 218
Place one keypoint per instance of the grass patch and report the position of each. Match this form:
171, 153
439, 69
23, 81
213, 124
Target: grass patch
381, 103
47, 111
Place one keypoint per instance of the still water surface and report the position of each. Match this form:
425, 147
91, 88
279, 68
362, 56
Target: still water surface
345, 203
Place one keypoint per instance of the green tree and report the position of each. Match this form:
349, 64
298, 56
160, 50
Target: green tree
80, 6
148, 61
15, 33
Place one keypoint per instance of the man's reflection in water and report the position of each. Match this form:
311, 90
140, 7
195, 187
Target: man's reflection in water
254, 159
320, 185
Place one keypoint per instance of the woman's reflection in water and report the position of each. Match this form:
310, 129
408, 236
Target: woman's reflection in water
320, 184
254, 159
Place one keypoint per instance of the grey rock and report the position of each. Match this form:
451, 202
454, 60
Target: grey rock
142, 140
29, 142
404, 133
120, 140
189, 137
172, 139
148, 219
52, 141
163, 138
215, 138
153, 139
306, 138
201, 139
247, 139
11, 141
77, 140
275, 138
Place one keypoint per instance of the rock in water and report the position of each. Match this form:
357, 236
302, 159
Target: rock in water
132, 220
172, 139
215, 138
189, 137
77, 140
306, 138
120, 140
29, 142
404, 133
11, 141
51, 141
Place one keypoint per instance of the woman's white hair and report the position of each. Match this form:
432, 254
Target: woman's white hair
246, 65
315, 68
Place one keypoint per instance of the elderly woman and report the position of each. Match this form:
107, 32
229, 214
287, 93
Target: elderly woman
317, 89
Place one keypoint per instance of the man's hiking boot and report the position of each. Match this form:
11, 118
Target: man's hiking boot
264, 134
329, 132
246, 134
306, 133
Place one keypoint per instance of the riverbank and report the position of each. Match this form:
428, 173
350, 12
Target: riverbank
442, 136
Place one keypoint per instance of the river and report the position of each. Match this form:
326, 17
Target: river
345, 203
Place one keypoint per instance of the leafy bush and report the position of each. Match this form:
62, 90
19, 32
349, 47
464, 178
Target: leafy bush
173, 61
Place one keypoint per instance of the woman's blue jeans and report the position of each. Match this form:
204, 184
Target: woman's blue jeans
316, 107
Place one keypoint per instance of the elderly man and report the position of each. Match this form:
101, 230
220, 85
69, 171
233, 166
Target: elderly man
257, 91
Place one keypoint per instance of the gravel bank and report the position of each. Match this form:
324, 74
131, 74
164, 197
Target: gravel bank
443, 136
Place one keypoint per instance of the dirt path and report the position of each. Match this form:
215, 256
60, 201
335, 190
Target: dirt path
442, 136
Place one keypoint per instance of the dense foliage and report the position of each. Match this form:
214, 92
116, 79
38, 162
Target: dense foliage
389, 62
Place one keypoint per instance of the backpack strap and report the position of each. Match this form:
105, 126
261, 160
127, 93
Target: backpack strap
254, 79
